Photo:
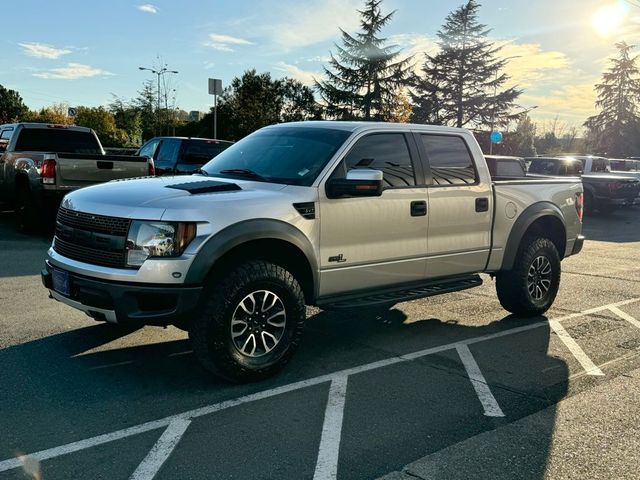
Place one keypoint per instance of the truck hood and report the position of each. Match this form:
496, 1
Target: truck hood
150, 198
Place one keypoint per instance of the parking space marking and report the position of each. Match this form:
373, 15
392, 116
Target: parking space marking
329, 451
488, 401
575, 349
625, 316
161, 450
12, 463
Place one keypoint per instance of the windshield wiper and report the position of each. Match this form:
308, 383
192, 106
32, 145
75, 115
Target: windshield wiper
200, 171
244, 172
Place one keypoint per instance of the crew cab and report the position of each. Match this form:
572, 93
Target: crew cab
603, 191
181, 155
333, 214
40, 163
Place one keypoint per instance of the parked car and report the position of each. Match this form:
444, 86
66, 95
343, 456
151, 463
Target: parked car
506, 167
181, 155
603, 191
333, 214
40, 163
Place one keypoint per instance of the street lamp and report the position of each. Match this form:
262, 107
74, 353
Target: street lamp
159, 73
495, 94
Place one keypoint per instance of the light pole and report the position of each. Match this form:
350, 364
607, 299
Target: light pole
159, 73
495, 94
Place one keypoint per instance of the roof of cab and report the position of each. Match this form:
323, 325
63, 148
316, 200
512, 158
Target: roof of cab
363, 126
46, 125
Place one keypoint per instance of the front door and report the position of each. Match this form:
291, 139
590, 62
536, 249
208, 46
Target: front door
369, 242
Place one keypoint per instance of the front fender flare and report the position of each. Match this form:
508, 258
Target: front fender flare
258, 229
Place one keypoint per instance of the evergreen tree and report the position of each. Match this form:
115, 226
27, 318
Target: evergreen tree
461, 84
366, 75
11, 106
615, 130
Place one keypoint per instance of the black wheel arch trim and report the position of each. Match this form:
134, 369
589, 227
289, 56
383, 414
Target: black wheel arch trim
246, 231
523, 222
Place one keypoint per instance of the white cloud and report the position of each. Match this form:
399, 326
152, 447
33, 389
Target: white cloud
42, 50
313, 21
72, 71
305, 76
223, 43
148, 8
534, 66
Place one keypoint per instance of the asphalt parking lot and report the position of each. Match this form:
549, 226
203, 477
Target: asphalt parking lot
428, 389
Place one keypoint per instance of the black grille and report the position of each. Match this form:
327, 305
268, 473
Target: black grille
89, 255
89, 238
94, 223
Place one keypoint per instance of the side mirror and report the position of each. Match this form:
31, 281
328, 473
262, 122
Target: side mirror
358, 183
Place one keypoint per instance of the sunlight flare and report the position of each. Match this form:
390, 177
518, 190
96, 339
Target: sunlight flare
608, 19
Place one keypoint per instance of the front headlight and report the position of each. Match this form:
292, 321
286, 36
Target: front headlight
157, 239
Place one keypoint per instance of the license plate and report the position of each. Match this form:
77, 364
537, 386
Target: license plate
61, 282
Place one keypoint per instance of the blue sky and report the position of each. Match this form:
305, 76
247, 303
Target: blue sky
80, 52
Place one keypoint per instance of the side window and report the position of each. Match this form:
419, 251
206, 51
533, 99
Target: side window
449, 159
149, 149
599, 165
6, 135
168, 153
387, 152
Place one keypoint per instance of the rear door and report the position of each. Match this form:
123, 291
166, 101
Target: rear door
460, 206
5, 136
369, 242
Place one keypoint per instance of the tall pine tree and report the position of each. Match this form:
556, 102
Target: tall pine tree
365, 78
461, 84
615, 131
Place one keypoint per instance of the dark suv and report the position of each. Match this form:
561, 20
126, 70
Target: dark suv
181, 155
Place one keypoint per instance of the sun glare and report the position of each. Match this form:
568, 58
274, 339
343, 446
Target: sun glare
608, 19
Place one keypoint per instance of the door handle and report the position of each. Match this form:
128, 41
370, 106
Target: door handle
418, 208
482, 204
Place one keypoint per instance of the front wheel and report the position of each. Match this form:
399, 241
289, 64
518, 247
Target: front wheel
530, 288
250, 322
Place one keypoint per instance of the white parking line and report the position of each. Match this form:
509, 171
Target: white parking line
575, 349
329, 451
12, 463
625, 316
161, 450
488, 401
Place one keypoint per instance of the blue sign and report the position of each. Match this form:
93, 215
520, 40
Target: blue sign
496, 137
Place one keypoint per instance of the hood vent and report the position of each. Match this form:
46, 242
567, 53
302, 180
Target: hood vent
306, 209
206, 186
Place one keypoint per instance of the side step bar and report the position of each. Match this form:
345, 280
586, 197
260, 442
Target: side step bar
400, 294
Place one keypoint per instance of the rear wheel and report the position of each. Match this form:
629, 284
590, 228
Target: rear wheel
530, 288
250, 322
27, 218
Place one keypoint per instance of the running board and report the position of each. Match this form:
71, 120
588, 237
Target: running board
400, 294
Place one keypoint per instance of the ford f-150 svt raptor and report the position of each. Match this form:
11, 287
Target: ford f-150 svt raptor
334, 214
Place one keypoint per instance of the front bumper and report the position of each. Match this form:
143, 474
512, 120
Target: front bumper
126, 303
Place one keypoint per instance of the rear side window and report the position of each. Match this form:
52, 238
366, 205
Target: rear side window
544, 167
149, 149
56, 140
387, 152
168, 153
599, 165
449, 159
199, 152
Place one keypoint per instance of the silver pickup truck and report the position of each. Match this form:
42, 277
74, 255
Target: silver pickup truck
40, 163
333, 214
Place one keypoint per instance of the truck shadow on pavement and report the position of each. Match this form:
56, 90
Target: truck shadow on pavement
620, 226
97, 379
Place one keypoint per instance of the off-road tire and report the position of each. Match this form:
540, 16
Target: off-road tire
512, 286
210, 330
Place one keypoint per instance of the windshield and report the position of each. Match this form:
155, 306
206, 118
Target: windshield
57, 140
290, 155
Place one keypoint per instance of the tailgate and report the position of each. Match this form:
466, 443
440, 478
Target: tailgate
77, 170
